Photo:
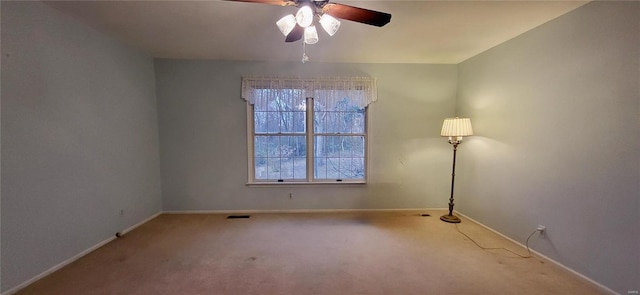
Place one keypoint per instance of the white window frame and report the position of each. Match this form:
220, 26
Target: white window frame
310, 153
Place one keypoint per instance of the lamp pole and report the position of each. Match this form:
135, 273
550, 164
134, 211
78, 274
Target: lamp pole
450, 217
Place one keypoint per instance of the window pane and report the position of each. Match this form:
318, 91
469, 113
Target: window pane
339, 157
338, 117
279, 157
273, 168
260, 100
279, 111
320, 168
299, 122
333, 168
357, 168
299, 168
260, 122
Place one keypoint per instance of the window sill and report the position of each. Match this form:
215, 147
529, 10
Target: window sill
298, 183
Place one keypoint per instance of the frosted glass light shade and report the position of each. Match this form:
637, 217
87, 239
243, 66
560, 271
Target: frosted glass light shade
304, 17
311, 35
330, 24
456, 127
286, 24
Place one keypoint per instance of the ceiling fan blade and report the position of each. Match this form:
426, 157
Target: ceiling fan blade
295, 35
272, 2
356, 14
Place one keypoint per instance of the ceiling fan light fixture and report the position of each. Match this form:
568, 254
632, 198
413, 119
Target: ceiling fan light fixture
286, 24
304, 17
330, 24
310, 35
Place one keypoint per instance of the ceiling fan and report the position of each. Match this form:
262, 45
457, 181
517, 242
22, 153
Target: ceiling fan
299, 26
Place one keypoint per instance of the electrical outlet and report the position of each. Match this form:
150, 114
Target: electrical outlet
121, 212
541, 229
290, 196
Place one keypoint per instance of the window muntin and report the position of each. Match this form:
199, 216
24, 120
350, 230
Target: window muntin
339, 138
280, 157
279, 124
339, 157
279, 111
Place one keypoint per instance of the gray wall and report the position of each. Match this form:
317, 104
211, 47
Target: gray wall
79, 139
556, 112
0, 166
557, 116
202, 123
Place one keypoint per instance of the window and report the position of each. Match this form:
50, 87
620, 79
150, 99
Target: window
307, 130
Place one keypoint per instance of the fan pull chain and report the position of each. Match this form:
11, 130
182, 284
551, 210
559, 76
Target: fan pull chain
305, 58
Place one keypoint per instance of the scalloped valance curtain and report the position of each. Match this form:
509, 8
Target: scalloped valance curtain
361, 91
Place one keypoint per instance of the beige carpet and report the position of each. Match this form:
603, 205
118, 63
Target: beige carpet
333, 253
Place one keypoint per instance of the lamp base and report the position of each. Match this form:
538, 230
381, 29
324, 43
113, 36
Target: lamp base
450, 218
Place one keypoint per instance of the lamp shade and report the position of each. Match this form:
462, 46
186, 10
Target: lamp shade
311, 35
304, 17
330, 24
286, 24
456, 127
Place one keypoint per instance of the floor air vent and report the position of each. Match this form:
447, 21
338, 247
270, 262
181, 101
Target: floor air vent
238, 216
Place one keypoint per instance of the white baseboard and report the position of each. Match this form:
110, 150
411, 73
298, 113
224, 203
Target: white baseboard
140, 223
603, 288
296, 211
74, 258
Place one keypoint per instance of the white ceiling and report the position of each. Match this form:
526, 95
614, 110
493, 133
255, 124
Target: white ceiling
419, 31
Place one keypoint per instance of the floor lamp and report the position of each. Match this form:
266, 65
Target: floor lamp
454, 128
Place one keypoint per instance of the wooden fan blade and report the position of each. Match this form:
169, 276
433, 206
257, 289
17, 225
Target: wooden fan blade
295, 35
272, 2
357, 14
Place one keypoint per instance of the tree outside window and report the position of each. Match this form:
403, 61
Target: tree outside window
303, 135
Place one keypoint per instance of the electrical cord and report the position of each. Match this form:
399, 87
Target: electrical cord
500, 248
